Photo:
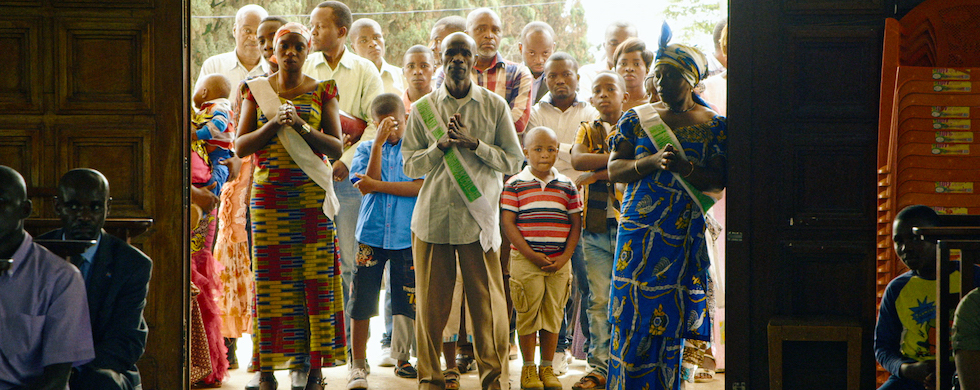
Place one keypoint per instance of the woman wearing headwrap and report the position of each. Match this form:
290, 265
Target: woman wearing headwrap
668, 153
299, 306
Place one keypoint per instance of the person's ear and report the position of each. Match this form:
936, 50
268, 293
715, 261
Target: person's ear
626, 97
108, 205
59, 206
342, 32
234, 30
26, 207
520, 47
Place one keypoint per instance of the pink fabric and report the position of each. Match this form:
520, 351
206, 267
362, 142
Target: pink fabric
205, 271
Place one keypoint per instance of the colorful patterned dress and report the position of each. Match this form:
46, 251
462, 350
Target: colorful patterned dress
298, 296
659, 288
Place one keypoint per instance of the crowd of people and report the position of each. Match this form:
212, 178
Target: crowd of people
550, 198
502, 206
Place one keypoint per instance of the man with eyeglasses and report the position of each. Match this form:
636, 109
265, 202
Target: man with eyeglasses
45, 318
116, 279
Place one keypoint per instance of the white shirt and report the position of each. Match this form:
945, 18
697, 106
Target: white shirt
229, 65
587, 73
392, 78
358, 83
565, 124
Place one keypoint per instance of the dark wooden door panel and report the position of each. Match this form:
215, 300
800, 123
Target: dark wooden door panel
103, 84
803, 94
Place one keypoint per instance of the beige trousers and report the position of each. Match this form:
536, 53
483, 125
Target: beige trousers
435, 277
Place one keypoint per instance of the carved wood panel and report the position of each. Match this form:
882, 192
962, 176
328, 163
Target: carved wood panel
103, 84
103, 65
122, 155
819, 84
20, 86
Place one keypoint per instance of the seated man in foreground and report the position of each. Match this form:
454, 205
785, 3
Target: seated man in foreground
116, 278
45, 321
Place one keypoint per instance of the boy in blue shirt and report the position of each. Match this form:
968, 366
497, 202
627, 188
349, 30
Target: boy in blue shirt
383, 233
905, 335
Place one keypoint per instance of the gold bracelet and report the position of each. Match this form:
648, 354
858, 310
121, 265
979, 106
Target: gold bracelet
692, 168
307, 129
635, 168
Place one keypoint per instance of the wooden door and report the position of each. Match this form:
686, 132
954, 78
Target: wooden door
102, 84
804, 85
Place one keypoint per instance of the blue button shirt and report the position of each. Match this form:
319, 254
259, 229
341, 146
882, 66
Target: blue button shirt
384, 220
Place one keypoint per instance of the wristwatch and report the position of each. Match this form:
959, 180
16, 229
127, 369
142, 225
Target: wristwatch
306, 129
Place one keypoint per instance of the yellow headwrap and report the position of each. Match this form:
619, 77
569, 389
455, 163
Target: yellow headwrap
690, 61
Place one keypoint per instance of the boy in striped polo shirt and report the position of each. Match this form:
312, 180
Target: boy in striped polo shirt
541, 212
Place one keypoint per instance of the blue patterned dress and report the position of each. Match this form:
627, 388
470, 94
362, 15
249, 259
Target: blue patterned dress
659, 289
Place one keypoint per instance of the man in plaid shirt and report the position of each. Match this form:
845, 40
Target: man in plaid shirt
510, 80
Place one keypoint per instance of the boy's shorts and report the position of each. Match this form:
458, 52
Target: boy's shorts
539, 296
366, 286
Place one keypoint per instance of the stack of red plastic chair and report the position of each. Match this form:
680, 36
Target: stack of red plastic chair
929, 120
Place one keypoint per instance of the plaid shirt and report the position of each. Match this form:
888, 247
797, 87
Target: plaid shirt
509, 80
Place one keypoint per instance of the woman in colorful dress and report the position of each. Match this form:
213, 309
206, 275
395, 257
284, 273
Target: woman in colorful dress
668, 153
299, 304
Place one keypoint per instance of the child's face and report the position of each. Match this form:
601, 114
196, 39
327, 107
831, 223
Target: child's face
399, 130
917, 254
541, 150
608, 95
200, 95
266, 35
418, 69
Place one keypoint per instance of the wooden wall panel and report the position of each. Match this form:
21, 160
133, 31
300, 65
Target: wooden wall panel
19, 149
817, 86
103, 84
104, 65
121, 154
803, 95
20, 89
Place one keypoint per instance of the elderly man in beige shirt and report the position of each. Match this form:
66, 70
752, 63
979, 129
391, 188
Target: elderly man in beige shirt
462, 139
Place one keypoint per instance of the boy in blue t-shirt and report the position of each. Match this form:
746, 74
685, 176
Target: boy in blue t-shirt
383, 234
905, 335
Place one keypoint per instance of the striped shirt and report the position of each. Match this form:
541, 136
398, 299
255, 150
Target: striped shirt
509, 80
542, 209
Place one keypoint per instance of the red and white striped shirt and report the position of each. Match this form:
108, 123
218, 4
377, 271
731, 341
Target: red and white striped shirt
542, 209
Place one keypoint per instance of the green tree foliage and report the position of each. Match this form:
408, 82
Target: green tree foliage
693, 21
405, 23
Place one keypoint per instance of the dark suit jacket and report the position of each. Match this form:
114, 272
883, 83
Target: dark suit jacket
116, 289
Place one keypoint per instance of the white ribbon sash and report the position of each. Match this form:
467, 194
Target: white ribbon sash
476, 202
660, 134
320, 171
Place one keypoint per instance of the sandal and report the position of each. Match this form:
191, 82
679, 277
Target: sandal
452, 378
405, 370
315, 383
702, 375
590, 381
268, 383
464, 363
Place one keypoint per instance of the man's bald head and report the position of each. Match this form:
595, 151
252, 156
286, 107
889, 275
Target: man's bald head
83, 203
83, 178
14, 209
12, 180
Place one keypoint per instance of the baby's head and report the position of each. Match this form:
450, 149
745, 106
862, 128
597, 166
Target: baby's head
389, 105
541, 149
214, 86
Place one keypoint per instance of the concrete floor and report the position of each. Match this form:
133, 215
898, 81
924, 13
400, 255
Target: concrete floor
384, 377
